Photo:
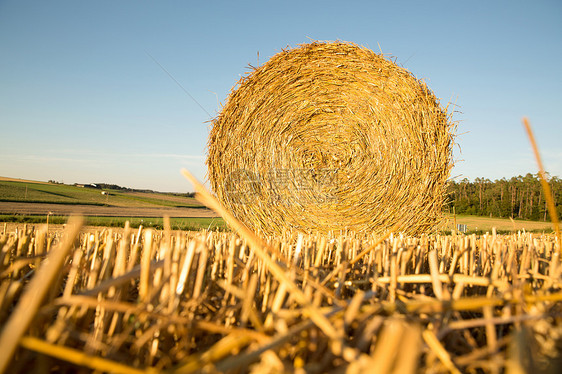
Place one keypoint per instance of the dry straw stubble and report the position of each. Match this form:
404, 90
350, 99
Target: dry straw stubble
466, 303
331, 136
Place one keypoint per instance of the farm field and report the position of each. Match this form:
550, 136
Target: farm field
56, 224
39, 198
32, 202
59, 201
372, 201
48, 193
485, 224
143, 301
181, 297
101, 210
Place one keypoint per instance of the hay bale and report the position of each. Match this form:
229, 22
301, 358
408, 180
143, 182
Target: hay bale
331, 136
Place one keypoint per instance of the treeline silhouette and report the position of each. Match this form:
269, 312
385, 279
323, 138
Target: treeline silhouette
115, 187
520, 197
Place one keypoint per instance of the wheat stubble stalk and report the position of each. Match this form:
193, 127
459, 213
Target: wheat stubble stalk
546, 187
25, 310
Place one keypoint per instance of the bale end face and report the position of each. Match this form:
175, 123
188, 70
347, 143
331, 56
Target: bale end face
331, 136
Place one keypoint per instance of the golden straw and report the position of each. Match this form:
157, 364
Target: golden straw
545, 186
328, 137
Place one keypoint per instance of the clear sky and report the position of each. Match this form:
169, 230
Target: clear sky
81, 101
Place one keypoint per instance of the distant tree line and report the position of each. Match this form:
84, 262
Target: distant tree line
115, 187
107, 186
519, 197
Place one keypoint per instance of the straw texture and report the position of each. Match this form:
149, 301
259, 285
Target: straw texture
331, 136
225, 302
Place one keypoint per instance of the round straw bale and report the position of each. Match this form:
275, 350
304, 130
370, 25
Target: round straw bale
331, 136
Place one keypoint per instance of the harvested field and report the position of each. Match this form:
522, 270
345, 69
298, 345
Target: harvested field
145, 301
8, 179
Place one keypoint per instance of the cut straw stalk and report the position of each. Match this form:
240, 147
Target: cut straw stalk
238, 361
145, 275
27, 307
545, 186
222, 348
434, 344
80, 358
396, 338
444, 278
464, 304
260, 249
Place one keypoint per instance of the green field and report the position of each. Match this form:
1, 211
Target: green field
478, 224
189, 224
475, 224
11, 191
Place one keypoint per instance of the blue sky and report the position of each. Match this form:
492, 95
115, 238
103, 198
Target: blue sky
82, 101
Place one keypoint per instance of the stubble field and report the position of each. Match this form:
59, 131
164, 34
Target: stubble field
140, 301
